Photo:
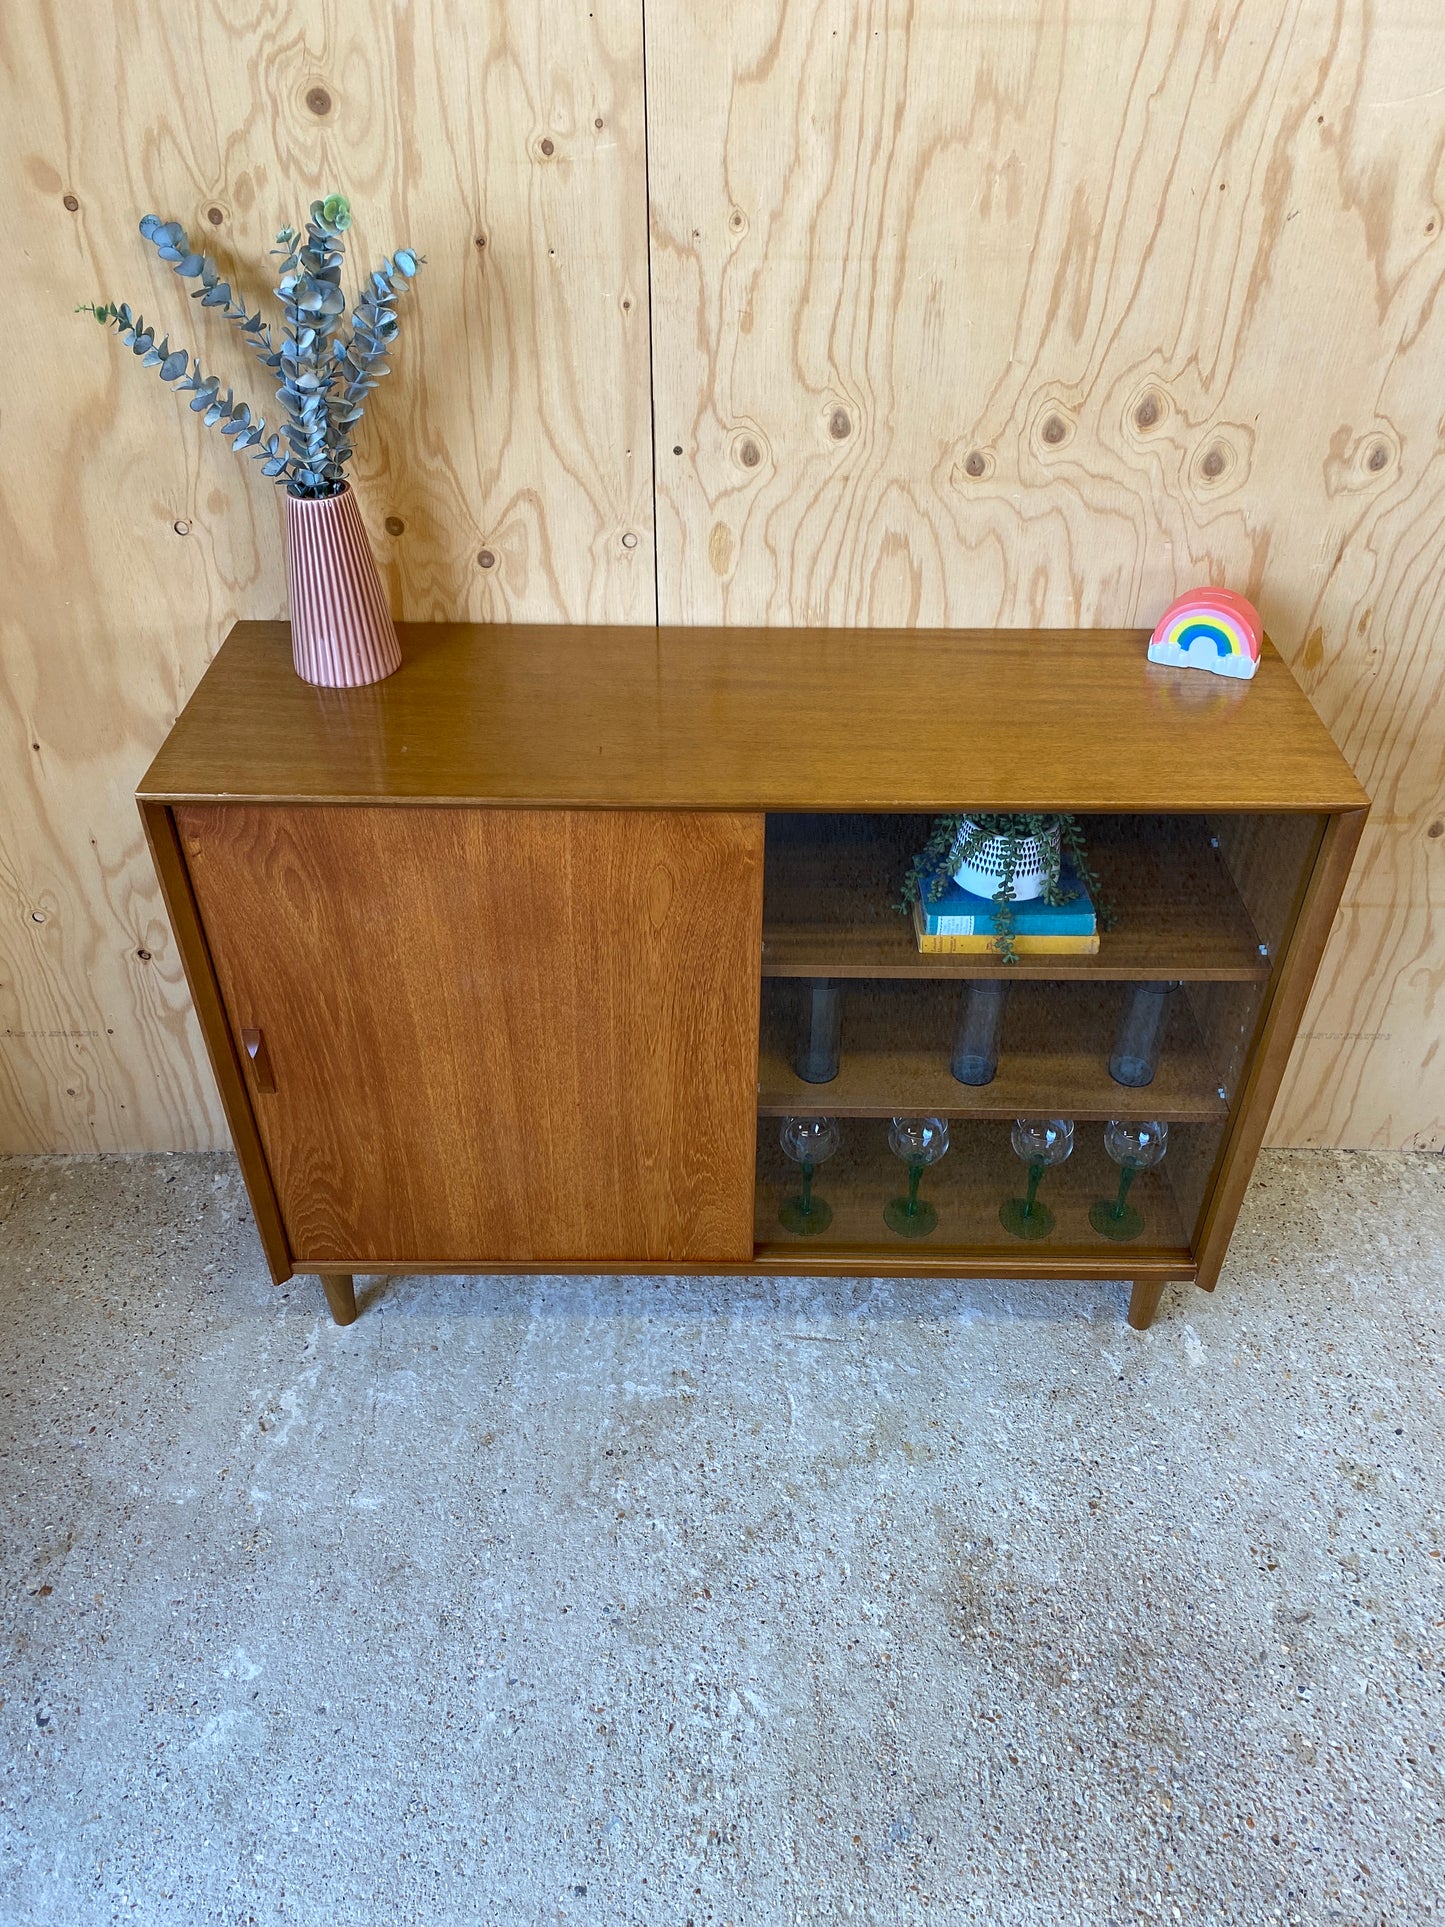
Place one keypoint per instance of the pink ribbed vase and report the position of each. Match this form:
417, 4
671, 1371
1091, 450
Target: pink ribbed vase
341, 629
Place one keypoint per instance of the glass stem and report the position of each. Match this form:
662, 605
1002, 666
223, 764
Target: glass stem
915, 1172
1126, 1178
1036, 1171
807, 1189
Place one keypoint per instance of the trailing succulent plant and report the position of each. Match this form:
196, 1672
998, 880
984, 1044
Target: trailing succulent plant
958, 839
323, 376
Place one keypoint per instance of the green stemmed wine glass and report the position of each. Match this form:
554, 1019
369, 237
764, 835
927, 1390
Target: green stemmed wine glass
919, 1141
1041, 1142
1134, 1147
809, 1142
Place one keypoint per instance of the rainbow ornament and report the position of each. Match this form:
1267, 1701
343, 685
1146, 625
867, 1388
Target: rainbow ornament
1211, 629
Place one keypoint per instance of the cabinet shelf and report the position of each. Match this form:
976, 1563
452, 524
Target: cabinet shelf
967, 1187
898, 1041
832, 881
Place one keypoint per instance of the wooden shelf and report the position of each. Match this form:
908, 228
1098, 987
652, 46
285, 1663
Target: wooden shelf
832, 881
898, 1040
967, 1187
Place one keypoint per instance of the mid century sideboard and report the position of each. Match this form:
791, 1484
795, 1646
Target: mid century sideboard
499, 962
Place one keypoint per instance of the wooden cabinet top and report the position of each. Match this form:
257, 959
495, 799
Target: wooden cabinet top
754, 719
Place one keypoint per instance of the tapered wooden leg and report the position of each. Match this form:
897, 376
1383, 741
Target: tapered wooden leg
341, 1296
1144, 1302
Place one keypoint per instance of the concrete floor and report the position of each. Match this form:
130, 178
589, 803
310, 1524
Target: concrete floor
670, 1601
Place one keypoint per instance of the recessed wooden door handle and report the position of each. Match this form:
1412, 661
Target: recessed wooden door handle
260, 1057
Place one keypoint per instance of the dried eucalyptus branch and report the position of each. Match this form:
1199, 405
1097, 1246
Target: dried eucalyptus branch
171, 244
323, 382
246, 431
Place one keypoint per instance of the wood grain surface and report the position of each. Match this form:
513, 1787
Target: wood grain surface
1032, 314
960, 314
450, 1088
832, 884
1053, 1057
746, 719
505, 142
223, 1045
966, 1188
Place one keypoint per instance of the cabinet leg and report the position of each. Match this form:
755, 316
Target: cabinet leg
340, 1296
1144, 1302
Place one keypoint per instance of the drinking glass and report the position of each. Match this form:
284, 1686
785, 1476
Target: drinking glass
1040, 1142
1134, 1147
980, 1021
820, 1034
809, 1142
1135, 1056
919, 1141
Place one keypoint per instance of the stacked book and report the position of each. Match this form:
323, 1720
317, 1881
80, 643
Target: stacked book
959, 924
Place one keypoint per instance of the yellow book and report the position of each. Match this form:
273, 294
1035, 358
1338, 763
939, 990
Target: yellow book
980, 944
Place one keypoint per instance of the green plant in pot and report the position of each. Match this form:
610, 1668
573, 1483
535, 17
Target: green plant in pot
341, 629
1010, 858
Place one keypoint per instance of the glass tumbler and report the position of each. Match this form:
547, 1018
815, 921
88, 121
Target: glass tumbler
980, 1024
820, 1033
1135, 1056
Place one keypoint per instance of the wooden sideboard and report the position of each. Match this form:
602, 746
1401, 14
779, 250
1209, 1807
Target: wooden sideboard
498, 962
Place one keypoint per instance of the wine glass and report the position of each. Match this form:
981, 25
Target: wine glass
1040, 1142
809, 1142
919, 1141
1134, 1147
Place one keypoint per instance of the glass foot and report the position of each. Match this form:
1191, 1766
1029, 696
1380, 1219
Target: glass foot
1110, 1223
915, 1221
1016, 1218
806, 1223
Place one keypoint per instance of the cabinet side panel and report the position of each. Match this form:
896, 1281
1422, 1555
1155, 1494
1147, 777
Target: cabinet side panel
181, 907
1270, 859
495, 1035
1301, 941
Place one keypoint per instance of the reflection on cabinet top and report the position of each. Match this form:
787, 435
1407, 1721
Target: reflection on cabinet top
754, 719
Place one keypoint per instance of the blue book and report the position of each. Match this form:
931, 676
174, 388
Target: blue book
959, 913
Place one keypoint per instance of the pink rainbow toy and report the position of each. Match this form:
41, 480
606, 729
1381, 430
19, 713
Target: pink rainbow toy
1211, 629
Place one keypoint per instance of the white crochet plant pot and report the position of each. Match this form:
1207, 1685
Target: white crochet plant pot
983, 873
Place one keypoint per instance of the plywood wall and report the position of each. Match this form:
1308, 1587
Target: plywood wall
1038, 313
939, 313
505, 140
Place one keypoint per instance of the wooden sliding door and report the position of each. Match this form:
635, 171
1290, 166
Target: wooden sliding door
493, 1035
